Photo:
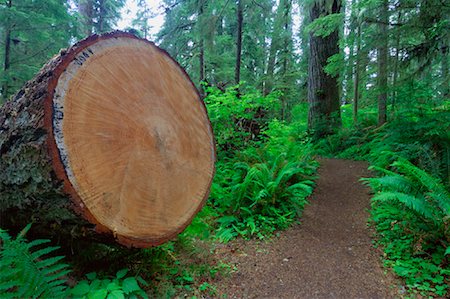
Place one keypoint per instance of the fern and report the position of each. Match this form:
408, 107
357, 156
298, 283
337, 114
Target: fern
415, 189
26, 272
418, 205
434, 188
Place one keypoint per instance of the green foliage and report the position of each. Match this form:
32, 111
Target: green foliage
186, 266
411, 211
411, 204
264, 189
38, 30
237, 121
324, 26
418, 191
119, 287
418, 137
98, 16
27, 270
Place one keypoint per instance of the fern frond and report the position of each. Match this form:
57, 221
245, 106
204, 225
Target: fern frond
395, 183
419, 205
28, 273
435, 188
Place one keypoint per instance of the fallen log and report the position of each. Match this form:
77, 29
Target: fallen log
109, 140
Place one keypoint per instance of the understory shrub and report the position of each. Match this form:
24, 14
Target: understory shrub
411, 212
264, 188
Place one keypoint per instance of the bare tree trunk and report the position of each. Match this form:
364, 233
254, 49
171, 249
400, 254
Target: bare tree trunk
444, 68
101, 16
382, 64
240, 17
396, 62
202, 47
201, 56
270, 66
357, 73
6, 61
323, 92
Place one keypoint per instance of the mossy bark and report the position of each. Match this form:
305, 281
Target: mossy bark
29, 189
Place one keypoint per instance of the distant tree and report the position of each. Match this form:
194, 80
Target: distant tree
98, 16
382, 57
239, 31
143, 16
323, 92
31, 31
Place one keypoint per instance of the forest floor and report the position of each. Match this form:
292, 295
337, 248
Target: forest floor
329, 255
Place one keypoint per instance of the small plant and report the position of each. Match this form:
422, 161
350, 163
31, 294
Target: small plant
27, 270
256, 199
109, 288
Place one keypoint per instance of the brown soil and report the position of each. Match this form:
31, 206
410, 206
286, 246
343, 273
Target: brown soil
328, 255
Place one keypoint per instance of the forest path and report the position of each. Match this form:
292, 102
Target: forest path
328, 255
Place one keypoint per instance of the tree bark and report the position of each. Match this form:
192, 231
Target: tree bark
6, 61
240, 19
444, 69
382, 64
274, 47
201, 56
323, 92
357, 73
101, 16
287, 6
102, 146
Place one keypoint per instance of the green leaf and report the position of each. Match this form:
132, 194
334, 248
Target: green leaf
113, 286
91, 276
447, 251
117, 294
98, 294
121, 273
82, 288
130, 285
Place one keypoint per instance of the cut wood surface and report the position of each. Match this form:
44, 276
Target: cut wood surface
121, 125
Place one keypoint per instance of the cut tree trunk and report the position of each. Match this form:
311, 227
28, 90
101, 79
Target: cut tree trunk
109, 141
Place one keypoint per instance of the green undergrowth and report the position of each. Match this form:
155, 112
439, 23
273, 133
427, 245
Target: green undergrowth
410, 210
411, 213
264, 177
185, 267
33, 270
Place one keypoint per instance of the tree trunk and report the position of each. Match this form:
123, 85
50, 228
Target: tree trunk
382, 64
323, 92
287, 5
201, 56
274, 47
396, 62
102, 15
6, 61
109, 141
357, 73
444, 69
240, 17
86, 10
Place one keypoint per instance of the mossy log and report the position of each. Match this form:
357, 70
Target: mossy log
109, 141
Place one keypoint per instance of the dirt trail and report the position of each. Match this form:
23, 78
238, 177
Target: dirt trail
328, 255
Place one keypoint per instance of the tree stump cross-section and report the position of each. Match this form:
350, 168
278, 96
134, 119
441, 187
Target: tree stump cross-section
128, 135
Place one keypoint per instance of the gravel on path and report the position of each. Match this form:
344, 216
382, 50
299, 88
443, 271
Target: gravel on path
328, 255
